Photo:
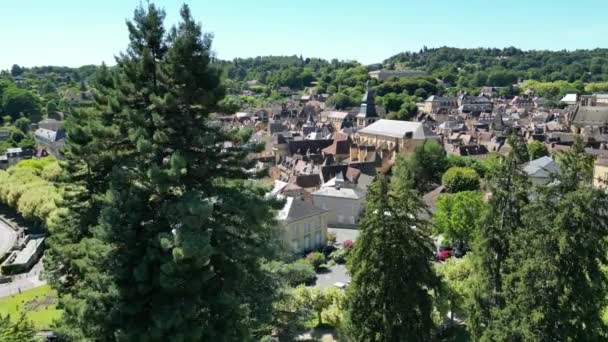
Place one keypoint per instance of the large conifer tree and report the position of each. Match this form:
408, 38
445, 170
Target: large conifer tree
390, 266
555, 289
178, 230
492, 245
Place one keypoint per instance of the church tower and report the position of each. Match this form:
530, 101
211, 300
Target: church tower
367, 114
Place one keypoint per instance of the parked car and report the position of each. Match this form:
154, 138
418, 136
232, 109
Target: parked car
443, 254
460, 250
340, 285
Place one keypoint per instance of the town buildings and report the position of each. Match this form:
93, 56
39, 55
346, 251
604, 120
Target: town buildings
474, 104
343, 200
303, 226
367, 112
440, 104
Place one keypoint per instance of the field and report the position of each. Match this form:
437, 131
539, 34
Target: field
39, 305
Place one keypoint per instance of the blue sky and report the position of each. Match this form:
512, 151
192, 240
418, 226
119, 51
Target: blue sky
76, 32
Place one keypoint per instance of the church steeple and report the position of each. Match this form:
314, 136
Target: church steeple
367, 112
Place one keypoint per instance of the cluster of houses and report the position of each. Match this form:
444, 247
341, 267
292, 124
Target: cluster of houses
321, 160
49, 135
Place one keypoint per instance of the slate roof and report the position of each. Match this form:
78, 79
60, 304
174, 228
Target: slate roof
330, 171
296, 209
395, 128
302, 146
368, 106
590, 116
49, 135
542, 167
306, 181
472, 150
338, 115
441, 99
342, 192
341, 145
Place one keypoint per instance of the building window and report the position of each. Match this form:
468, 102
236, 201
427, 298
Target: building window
307, 242
306, 227
352, 220
340, 218
318, 238
294, 244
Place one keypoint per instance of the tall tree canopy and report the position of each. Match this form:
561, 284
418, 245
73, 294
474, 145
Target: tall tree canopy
390, 266
162, 235
491, 248
539, 255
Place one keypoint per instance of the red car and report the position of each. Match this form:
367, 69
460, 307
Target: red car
443, 254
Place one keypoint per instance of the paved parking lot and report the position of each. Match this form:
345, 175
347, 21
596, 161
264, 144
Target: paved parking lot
334, 274
343, 234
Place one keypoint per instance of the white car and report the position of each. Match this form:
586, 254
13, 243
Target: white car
340, 285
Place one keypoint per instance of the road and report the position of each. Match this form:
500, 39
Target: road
23, 282
343, 234
334, 274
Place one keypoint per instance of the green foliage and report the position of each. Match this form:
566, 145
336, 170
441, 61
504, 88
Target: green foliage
316, 299
406, 112
315, 259
289, 316
331, 238
162, 235
298, 272
20, 331
23, 124
555, 89
38, 306
24, 188
340, 255
388, 298
491, 248
481, 167
457, 179
466, 68
549, 284
601, 87
537, 149
576, 166
341, 101
407, 86
424, 167
19, 102
19, 134
458, 215
456, 287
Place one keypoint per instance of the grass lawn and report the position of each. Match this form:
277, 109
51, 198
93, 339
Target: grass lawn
39, 305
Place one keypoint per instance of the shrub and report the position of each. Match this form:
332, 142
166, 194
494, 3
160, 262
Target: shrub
298, 272
537, 149
339, 256
331, 238
478, 166
315, 259
458, 179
